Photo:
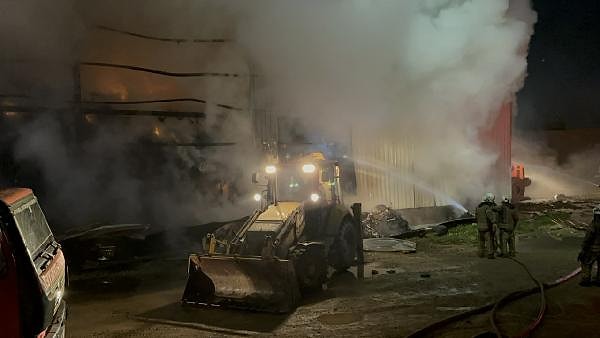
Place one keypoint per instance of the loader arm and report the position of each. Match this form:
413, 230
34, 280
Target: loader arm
242, 232
286, 246
284, 240
254, 273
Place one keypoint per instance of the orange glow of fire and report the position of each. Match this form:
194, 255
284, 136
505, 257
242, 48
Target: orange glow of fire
89, 118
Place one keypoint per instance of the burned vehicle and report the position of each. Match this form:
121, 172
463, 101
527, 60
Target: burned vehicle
32, 269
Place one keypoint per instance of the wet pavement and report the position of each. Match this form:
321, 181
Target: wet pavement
402, 293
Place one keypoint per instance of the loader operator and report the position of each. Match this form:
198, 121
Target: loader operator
508, 217
590, 251
486, 220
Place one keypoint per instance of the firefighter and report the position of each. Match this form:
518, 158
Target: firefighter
486, 220
590, 251
508, 217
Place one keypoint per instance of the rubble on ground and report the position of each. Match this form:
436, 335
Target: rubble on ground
383, 222
389, 245
560, 197
557, 218
545, 205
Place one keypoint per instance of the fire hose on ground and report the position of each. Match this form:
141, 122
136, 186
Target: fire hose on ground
494, 307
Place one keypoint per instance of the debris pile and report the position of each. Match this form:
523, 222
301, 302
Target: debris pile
557, 218
560, 197
556, 204
389, 245
383, 222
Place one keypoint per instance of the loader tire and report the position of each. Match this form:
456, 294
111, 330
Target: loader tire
310, 264
343, 251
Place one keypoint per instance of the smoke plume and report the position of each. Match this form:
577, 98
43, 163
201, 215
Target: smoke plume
108, 169
432, 74
427, 73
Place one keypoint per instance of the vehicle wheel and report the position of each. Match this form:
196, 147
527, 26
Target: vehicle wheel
343, 251
310, 264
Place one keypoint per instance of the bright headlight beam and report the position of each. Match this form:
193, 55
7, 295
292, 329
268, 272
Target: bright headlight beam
309, 168
315, 197
270, 169
257, 197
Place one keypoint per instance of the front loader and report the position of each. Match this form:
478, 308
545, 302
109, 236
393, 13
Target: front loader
287, 246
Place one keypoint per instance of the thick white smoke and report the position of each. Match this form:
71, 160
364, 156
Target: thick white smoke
431, 73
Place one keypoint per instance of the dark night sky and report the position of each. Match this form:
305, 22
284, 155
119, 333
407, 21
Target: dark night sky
563, 85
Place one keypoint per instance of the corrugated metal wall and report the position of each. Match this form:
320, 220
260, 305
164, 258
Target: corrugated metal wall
382, 168
386, 175
385, 170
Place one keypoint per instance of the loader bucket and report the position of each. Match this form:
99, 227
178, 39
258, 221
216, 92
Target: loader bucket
250, 283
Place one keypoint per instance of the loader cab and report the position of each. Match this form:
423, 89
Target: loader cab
32, 269
295, 184
310, 179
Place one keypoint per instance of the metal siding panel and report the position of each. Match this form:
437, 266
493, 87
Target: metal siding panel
375, 185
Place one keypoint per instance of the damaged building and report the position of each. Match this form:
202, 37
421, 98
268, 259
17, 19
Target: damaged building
290, 168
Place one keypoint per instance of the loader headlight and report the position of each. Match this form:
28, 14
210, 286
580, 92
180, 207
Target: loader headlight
270, 169
309, 168
257, 197
315, 197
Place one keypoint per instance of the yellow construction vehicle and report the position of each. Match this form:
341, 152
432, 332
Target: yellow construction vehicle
300, 230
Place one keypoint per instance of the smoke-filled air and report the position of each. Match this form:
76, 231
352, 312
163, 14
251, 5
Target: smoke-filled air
419, 77
91, 168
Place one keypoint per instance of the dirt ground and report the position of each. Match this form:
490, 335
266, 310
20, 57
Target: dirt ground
400, 294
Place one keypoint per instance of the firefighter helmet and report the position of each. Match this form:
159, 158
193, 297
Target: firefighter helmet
489, 197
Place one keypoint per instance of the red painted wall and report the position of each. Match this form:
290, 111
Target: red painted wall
498, 140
